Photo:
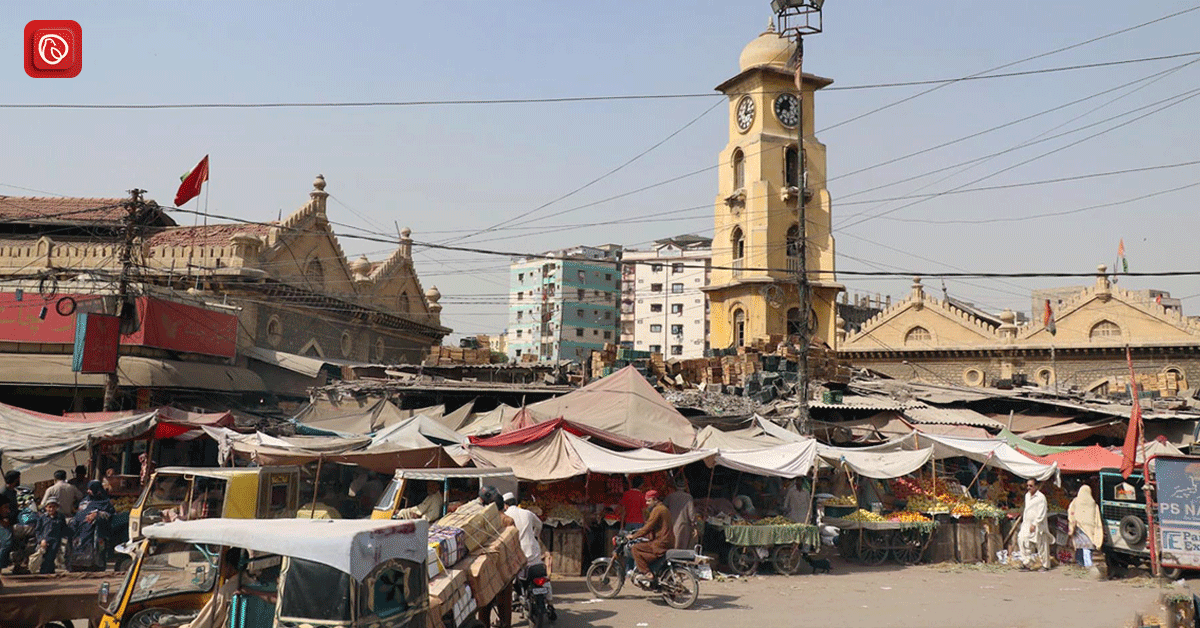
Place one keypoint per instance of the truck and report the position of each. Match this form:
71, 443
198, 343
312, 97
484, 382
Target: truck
1153, 516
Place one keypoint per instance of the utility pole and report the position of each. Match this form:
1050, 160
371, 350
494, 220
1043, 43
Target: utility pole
133, 211
798, 18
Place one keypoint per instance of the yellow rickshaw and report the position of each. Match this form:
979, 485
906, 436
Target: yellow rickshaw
282, 572
188, 493
398, 493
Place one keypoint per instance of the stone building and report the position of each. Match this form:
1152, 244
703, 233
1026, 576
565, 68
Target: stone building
926, 338
668, 312
755, 250
298, 309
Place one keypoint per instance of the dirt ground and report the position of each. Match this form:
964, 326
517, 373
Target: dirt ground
926, 596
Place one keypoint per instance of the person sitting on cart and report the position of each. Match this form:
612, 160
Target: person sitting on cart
658, 530
52, 530
91, 529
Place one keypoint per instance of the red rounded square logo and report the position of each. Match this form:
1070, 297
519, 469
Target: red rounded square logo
53, 48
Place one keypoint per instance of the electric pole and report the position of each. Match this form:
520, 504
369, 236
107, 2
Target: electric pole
133, 212
798, 18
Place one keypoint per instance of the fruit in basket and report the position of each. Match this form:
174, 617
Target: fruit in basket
985, 509
774, 521
962, 510
842, 500
908, 516
863, 515
927, 503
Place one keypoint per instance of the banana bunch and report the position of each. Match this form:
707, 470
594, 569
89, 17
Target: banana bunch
908, 516
842, 500
863, 515
774, 521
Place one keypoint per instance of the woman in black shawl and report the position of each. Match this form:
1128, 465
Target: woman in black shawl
91, 526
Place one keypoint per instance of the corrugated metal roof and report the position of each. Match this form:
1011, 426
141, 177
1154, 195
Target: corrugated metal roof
861, 402
950, 416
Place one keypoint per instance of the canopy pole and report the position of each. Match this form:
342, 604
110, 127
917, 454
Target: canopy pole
712, 472
312, 513
812, 492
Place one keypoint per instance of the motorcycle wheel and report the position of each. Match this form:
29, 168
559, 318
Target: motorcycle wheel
537, 614
605, 579
743, 560
680, 588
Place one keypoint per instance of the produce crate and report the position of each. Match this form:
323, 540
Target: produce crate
568, 551
941, 547
968, 541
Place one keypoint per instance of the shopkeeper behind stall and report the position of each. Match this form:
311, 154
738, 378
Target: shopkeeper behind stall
872, 491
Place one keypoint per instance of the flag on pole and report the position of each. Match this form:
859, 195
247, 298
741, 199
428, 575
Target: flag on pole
1048, 320
1158, 299
1121, 256
1133, 434
192, 180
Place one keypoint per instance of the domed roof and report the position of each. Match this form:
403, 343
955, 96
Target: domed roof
767, 49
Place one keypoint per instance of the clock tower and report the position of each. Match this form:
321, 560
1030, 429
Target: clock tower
752, 291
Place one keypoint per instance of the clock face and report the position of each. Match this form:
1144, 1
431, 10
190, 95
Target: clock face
745, 113
787, 109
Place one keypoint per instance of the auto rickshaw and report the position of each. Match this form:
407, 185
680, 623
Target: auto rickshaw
183, 493
397, 495
282, 572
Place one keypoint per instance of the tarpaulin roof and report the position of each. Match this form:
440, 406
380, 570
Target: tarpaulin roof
562, 455
789, 460
542, 430
735, 440
481, 423
1082, 459
994, 451
874, 462
416, 432
623, 403
352, 416
950, 416
172, 422
295, 450
1073, 432
1030, 447
29, 439
355, 547
880, 427
1022, 423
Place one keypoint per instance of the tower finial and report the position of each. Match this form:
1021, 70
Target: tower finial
771, 24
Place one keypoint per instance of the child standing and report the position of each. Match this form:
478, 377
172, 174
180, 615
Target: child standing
51, 530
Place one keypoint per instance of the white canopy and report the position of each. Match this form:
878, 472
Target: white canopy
415, 433
353, 546
562, 455
993, 451
29, 439
735, 440
786, 461
873, 462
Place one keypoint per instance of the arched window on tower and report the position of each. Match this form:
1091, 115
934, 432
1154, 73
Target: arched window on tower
1105, 330
314, 274
791, 167
737, 244
793, 322
739, 328
793, 247
739, 169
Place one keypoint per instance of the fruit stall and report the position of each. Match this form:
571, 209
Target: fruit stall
775, 539
871, 539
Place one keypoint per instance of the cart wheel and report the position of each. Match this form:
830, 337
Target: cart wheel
848, 546
910, 545
875, 548
786, 559
743, 560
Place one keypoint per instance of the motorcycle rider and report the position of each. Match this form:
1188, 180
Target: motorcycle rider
529, 528
658, 530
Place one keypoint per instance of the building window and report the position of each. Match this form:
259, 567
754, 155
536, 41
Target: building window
520, 314
739, 169
347, 344
738, 241
607, 276
918, 335
655, 348
518, 353
791, 166
519, 334
274, 331
793, 242
656, 287
656, 329
520, 276
380, 350
314, 274
676, 308
739, 328
677, 330
582, 275
595, 293
793, 322
579, 313
581, 293
1105, 330
607, 335
520, 296
579, 332
656, 307
595, 332
676, 349
607, 315
676, 269
677, 288
656, 268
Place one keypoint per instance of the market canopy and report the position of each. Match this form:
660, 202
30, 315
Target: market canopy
623, 403
539, 431
352, 416
789, 460
480, 423
562, 455
29, 439
414, 433
172, 422
875, 462
735, 440
1082, 459
1030, 447
993, 451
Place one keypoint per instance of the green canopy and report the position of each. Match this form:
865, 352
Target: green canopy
1029, 446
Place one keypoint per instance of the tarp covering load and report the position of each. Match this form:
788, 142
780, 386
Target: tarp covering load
786, 461
1082, 459
414, 433
355, 417
623, 403
172, 422
29, 439
562, 455
872, 462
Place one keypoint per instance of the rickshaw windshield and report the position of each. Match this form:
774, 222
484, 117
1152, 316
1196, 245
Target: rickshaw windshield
174, 568
315, 591
388, 501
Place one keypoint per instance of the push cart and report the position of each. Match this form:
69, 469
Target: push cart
782, 545
873, 542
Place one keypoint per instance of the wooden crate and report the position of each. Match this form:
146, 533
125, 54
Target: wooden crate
941, 547
568, 551
968, 541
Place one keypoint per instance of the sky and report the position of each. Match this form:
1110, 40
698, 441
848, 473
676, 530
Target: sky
448, 171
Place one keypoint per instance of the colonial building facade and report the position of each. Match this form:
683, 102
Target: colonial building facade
755, 250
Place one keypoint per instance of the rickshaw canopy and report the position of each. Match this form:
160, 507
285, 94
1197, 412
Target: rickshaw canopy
355, 547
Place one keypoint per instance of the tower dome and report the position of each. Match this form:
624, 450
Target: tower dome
768, 48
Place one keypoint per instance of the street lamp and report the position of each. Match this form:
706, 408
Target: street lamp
799, 18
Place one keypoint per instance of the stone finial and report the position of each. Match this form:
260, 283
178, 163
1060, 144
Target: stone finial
406, 243
1103, 287
771, 24
319, 183
1008, 326
361, 268
433, 295
840, 330
318, 195
918, 292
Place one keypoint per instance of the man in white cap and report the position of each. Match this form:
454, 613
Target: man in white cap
529, 528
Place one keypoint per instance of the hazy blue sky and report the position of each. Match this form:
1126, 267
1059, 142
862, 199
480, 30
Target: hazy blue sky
438, 169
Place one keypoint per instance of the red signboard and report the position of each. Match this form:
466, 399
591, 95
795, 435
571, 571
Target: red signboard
161, 324
96, 343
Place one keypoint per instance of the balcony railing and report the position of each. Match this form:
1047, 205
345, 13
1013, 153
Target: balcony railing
738, 265
793, 264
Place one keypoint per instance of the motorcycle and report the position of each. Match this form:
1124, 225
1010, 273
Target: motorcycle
675, 575
533, 592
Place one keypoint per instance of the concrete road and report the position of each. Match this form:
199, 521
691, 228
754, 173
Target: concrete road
925, 596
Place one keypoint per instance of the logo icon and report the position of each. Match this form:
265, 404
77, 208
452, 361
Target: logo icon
53, 48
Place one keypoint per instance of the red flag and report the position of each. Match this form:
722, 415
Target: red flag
1133, 435
190, 188
1048, 320
1158, 299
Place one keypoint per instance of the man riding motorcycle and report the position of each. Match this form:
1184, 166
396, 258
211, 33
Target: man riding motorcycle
529, 528
658, 530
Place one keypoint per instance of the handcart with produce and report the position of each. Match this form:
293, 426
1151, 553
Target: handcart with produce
776, 539
871, 539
